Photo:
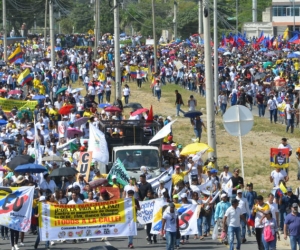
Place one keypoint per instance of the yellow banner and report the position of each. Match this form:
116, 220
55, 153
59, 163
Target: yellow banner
113, 218
8, 104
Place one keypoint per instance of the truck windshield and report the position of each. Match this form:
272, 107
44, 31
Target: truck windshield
134, 159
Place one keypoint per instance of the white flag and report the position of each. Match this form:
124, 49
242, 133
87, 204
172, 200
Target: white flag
98, 145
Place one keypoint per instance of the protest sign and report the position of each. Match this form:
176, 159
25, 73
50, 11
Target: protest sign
279, 157
166, 177
145, 214
83, 166
187, 215
16, 207
112, 218
9, 104
62, 130
119, 170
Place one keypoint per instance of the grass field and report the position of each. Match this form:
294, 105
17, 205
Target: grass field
256, 144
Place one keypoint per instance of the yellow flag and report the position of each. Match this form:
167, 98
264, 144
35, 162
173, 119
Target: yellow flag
282, 188
286, 34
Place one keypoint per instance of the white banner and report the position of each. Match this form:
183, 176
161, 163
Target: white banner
163, 132
113, 218
166, 177
98, 145
16, 207
62, 129
187, 217
145, 214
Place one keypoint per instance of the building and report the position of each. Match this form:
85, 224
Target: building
276, 19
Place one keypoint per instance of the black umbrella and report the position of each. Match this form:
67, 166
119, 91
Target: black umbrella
65, 171
20, 160
192, 114
37, 70
133, 105
9, 141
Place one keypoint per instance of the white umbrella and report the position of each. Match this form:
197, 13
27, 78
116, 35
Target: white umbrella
226, 53
163, 132
76, 90
297, 52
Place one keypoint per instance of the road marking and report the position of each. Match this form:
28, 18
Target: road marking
107, 243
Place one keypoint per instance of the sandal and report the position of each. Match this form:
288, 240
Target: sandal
201, 238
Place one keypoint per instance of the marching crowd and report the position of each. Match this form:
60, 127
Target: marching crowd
246, 77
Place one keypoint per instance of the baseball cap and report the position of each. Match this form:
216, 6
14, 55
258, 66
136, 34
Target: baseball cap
172, 205
184, 195
177, 166
289, 189
295, 204
175, 196
239, 191
114, 177
223, 195
213, 171
103, 191
42, 198
162, 181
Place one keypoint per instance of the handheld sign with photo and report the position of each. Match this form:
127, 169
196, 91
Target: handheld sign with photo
84, 163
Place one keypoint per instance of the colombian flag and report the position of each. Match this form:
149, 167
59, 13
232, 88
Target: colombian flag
133, 71
15, 55
25, 77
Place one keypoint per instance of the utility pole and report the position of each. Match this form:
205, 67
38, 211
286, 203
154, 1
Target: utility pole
52, 38
254, 11
117, 49
236, 16
200, 17
59, 18
175, 20
4, 30
154, 37
211, 126
216, 63
97, 27
294, 27
45, 28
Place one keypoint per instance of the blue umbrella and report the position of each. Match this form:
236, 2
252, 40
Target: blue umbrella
30, 168
3, 122
192, 114
104, 105
57, 48
19, 61
38, 97
222, 50
248, 65
293, 55
122, 34
263, 49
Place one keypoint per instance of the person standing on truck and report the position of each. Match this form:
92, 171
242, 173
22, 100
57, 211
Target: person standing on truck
129, 163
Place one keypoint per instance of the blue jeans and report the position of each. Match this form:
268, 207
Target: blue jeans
171, 239
158, 94
237, 232
199, 225
74, 77
130, 240
273, 113
206, 222
198, 133
223, 108
294, 240
261, 110
178, 109
37, 241
282, 215
100, 98
243, 225
126, 98
271, 245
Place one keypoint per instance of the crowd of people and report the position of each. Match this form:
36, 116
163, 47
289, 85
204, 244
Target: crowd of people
246, 76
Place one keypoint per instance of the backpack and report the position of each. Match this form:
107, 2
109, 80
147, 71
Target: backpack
268, 235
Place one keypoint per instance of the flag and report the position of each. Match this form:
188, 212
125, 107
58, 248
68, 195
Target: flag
285, 34
150, 115
119, 170
25, 77
282, 188
261, 38
251, 221
279, 157
15, 55
98, 145
166, 177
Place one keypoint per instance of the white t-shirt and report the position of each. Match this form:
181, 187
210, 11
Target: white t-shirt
72, 202
285, 146
51, 185
127, 188
277, 176
170, 218
274, 209
233, 216
126, 91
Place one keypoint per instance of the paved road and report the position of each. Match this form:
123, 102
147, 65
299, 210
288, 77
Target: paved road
139, 243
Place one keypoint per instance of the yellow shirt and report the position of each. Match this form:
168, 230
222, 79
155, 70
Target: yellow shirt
296, 65
42, 89
36, 83
53, 112
87, 114
265, 207
101, 176
117, 185
178, 177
